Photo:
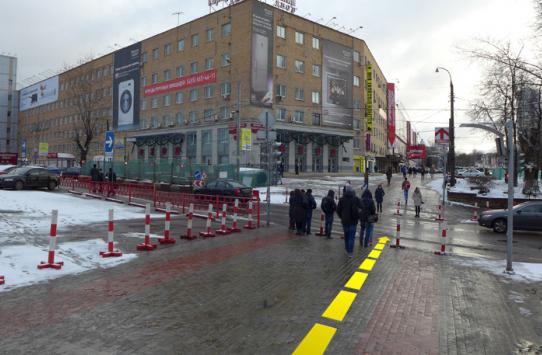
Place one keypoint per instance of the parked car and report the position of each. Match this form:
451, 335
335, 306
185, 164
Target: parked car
29, 177
71, 172
4, 169
225, 188
527, 216
471, 172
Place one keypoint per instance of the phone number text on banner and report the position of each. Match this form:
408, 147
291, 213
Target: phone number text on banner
194, 80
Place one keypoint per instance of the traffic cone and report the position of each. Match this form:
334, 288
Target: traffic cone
167, 239
209, 233
234, 228
189, 235
111, 252
147, 245
50, 264
321, 233
223, 229
398, 236
443, 243
250, 224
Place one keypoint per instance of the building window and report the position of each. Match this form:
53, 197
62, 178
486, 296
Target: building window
167, 100
179, 118
225, 59
281, 32
281, 114
357, 104
357, 124
193, 116
299, 117
144, 57
299, 66
356, 56
225, 89
316, 119
225, 112
143, 105
194, 67
195, 40
281, 61
299, 94
180, 45
156, 53
154, 78
356, 143
179, 71
209, 91
209, 63
154, 102
208, 115
226, 29
155, 123
167, 49
315, 97
167, 74
315, 70
210, 35
315, 43
281, 90
356, 80
194, 95
299, 37
179, 97
144, 80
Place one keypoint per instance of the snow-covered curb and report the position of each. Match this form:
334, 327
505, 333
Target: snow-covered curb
523, 272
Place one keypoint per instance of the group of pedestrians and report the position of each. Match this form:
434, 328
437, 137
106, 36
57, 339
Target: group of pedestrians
417, 197
97, 177
302, 203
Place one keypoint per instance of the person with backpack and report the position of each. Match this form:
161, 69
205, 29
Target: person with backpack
418, 201
311, 205
348, 211
367, 218
405, 187
329, 207
379, 197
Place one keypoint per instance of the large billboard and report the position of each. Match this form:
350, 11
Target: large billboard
126, 87
42, 93
195, 80
337, 85
369, 108
261, 93
391, 114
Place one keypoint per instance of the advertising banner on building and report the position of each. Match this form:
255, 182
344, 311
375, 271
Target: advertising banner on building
261, 93
369, 106
43, 149
195, 80
416, 152
8, 158
42, 93
246, 139
391, 114
337, 85
126, 87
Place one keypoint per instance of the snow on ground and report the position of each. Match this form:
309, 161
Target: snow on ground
524, 272
498, 188
18, 263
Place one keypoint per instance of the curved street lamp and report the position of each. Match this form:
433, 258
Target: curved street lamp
451, 153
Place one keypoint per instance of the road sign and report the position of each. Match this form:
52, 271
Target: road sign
197, 175
109, 143
442, 135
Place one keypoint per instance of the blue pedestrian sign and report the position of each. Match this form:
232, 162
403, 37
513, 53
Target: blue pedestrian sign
109, 143
197, 175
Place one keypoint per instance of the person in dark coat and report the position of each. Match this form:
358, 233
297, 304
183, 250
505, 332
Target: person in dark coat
291, 211
389, 174
347, 209
379, 197
329, 207
111, 177
299, 211
367, 219
311, 205
366, 179
94, 176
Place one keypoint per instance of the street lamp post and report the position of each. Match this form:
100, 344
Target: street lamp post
451, 153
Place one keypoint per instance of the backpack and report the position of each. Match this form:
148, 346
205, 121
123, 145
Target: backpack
407, 186
326, 205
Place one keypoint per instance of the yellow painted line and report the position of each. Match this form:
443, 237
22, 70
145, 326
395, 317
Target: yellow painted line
356, 281
316, 341
367, 264
339, 306
380, 246
375, 254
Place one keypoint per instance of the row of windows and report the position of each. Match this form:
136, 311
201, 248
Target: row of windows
208, 93
209, 115
97, 74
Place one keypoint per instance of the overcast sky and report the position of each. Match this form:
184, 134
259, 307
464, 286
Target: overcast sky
409, 39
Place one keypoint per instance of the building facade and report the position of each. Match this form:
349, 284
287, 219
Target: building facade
8, 105
182, 96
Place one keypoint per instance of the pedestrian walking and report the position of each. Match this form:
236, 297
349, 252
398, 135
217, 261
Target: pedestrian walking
111, 177
291, 211
389, 174
405, 187
365, 179
296, 168
298, 211
329, 207
404, 171
379, 198
367, 219
348, 211
94, 176
311, 205
418, 201
423, 172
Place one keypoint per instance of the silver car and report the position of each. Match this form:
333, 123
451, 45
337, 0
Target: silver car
527, 216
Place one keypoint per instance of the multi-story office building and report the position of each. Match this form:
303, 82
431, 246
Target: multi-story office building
8, 106
178, 95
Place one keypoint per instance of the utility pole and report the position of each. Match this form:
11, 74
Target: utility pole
451, 154
269, 157
510, 222
238, 131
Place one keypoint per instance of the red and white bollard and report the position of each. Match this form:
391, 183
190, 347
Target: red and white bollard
475, 212
189, 235
209, 233
398, 211
147, 245
111, 252
439, 218
286, 195
321, 233
250, 224
2, 280
443, 244
223, 229
234, 227
167, 239
50, 264
398, 236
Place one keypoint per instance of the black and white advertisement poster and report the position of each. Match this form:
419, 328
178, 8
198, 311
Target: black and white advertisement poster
262, 55
126, 87
337, 85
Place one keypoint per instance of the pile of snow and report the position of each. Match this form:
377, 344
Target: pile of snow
525, 272
18, 263
498, 188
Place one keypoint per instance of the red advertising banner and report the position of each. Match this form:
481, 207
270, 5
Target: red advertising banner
207, 77
52, 155
409, 133
391, 113
8, 158
416, 152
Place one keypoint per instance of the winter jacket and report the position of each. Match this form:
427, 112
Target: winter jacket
298, 208
328, 205
348, 207
405, 185
94, 174
311, 202
367, 206
379, 195
417, 198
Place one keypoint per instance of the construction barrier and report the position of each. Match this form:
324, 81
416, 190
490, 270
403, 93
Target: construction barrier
398, 211
50, 264
111, 252
443, 227
398, 236
147, 245
166, 239
475, 212
223, 230
440, 217
208, 233
234, 227
321, 233
189, 235
249, 224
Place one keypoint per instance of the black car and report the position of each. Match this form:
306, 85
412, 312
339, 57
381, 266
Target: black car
29, 177
527, 216
225, 188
